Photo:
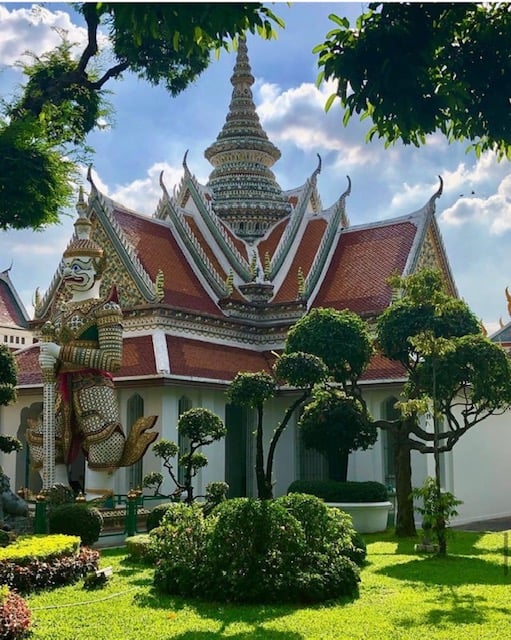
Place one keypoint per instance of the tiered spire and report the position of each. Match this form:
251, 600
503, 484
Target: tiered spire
245, 192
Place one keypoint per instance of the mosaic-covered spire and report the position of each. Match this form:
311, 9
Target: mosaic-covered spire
245, 192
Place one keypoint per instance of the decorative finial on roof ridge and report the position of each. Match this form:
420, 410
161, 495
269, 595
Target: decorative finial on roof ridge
317, 170
436, 195
348, 190
6, 271
89, 177
163, 186
508, 298
185, 165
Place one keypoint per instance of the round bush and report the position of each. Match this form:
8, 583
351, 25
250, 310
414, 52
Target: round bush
139, 548
179, 549
155, 516
255, 549
326, 530
78, 520
14, 615
248, 550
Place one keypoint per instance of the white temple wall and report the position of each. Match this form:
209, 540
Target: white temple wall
482, 470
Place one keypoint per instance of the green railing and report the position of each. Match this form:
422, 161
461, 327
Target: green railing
128, 507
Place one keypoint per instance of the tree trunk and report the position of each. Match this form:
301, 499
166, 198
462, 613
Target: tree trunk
338, 465
405, 524
264, 489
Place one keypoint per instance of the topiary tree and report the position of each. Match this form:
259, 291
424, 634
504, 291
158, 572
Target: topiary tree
200, 427
453, 371
8, 382
336, 424
253, 390
340, 338
336, 421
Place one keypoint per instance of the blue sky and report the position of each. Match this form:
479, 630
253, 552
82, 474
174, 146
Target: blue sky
152, 132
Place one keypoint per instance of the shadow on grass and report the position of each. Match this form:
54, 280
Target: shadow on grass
458, 543
450, 571
254, 634
455, 609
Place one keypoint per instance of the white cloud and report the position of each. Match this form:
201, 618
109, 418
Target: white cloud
488, 198
34, 29
143, 195
297, 116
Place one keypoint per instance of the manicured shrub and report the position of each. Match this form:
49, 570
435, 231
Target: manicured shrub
332, 491
14, 615
179, 550
76, 519
251, 550
326, 530
139, 547
27, 573
155, 516
254, 551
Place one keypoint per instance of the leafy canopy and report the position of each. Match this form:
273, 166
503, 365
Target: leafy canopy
43, 131
339, 338
415, 68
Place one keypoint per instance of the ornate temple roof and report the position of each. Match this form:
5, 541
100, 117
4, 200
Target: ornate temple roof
12, 310
203, 299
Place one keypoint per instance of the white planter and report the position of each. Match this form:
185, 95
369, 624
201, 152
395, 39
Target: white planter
368, 517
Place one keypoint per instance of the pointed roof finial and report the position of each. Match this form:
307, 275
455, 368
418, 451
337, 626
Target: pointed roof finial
245, 192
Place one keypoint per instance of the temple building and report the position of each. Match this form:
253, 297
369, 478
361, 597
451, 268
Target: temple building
209, 286
14, 319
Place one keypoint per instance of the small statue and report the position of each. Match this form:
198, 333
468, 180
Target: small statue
85, 348
11, 505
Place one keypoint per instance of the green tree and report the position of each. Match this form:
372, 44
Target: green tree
415, 68
336, 421
336, 425
253, 390
453, 371
8, 382
200, 427
43, 131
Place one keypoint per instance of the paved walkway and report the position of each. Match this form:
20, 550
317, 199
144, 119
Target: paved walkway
497, 524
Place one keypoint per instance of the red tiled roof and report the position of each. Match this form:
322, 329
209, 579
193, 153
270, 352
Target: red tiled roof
137, 360
137, 357
363, 261
303, 258
157, 249
10, 313
214, 361
29, 371
269, 244
381, 368
188, 358
237, 242
205, 246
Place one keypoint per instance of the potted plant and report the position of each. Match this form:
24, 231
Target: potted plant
366, 502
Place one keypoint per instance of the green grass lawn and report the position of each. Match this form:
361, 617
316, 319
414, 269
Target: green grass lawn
403, 595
